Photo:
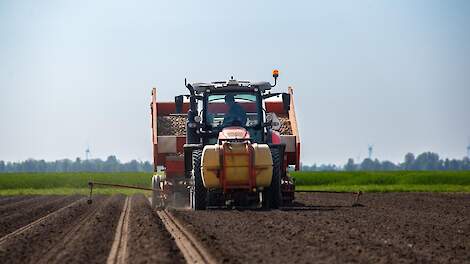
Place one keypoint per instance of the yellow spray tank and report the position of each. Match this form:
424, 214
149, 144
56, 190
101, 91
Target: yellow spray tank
236, 164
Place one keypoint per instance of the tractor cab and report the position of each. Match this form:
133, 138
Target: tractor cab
233, 109
217, 105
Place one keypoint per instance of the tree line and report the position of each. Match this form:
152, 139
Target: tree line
427, 161
424, 161
111, 164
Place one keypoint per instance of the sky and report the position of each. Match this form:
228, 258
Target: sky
392, 74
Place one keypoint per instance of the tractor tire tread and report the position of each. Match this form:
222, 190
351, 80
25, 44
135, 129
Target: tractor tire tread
199, 193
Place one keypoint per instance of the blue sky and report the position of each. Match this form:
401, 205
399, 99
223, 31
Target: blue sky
394, 74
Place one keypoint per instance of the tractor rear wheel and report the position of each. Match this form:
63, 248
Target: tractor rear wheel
272, 196
198, 191
156, 198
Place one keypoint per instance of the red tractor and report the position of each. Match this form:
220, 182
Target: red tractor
226, 143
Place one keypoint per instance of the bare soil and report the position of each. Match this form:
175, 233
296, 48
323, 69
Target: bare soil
35, 209
320, 228
83, 233
324, 228
90, 241
12, 207
33, 244
13, 199
149, 241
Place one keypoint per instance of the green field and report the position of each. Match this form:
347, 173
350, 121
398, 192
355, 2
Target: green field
69, 183
397, 181
387, 181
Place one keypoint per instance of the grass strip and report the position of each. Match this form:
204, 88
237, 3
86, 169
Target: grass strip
387, 188
390, 181
405, 178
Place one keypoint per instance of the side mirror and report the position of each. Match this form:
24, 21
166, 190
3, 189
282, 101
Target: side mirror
286, 101
179, 104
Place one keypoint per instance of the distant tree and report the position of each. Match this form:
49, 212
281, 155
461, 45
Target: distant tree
377, 165
367, 165
59, 166
465, 163
455, 165
424, 161
93, 165
133, 165
350, 166
388, 166
147, 166
428, 161
327, 167
409, 161
41, 166
309, 168
67, 165
111, 164
446, 164
77, 165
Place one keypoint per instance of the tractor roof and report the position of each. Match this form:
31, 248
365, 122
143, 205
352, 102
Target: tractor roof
230, 86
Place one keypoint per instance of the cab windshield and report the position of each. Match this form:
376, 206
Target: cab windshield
232, 109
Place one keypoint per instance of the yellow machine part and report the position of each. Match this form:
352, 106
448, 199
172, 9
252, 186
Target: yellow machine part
237, 170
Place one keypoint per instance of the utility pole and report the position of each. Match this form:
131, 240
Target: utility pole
370, 149
87, 153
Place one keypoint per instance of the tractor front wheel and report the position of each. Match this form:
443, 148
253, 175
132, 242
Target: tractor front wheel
198, 191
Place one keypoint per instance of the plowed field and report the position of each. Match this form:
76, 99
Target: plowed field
320, 228
324, 228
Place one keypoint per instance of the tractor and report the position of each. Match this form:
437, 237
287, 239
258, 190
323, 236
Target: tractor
225, 144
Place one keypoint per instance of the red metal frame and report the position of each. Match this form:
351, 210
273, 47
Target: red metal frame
153, 112
293, 158
173, 166
166, 108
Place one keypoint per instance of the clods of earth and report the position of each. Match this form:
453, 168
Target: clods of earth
317, 228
